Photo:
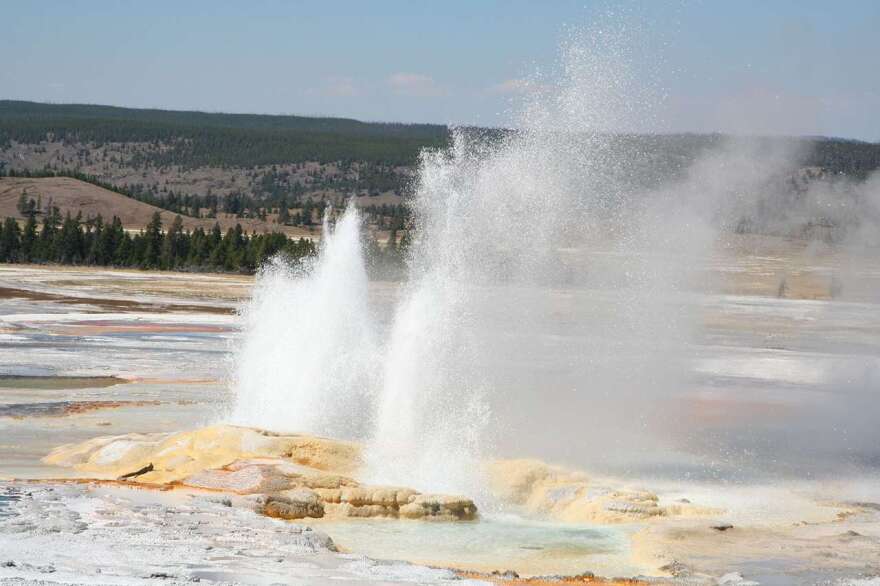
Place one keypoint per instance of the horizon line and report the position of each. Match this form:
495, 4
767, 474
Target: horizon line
448, 126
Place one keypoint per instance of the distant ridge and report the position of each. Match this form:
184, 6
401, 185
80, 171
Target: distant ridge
222, 139
267, 156
40, 110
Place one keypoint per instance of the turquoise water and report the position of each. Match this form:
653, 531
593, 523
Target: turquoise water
492, 543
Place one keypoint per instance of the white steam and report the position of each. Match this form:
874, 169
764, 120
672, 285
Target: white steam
309, 349
551, 305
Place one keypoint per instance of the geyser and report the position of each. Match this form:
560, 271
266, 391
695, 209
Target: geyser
309, 348
501, 225
502, 222
551, 307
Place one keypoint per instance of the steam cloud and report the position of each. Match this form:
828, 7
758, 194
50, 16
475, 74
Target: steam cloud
554, 302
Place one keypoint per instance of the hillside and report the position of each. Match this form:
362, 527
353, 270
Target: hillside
251, 166
74, 196
222, 139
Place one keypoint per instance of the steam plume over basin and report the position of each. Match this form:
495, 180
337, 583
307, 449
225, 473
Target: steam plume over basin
558, 304
494, 221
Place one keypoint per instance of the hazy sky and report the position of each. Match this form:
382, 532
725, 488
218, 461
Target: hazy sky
793, 67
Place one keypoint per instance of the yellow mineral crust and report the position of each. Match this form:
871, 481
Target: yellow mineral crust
175, 457
298, 469
297, 476
571, 496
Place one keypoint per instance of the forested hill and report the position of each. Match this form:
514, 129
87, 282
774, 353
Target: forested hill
253, 166
192, 139
183, 118
199, 138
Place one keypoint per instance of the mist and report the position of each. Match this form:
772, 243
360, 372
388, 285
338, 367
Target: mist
566, 301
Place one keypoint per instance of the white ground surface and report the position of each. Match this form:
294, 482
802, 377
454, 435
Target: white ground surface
80, 534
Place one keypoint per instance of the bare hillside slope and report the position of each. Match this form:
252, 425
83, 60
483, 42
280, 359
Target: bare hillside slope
74, 196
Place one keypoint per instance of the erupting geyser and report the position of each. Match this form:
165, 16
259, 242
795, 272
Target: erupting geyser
309, 346
549, 308
498, 223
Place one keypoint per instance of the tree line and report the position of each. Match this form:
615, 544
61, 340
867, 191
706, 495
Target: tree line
73, 240
93, 241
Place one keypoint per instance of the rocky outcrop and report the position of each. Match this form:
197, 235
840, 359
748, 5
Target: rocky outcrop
439, 507
298, 504
295, 476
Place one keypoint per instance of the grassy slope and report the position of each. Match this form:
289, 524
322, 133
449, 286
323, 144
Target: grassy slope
72, 195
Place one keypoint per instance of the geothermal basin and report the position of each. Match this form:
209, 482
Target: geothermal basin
767, 377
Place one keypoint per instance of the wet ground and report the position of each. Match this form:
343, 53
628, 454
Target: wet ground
781, 391
80, 358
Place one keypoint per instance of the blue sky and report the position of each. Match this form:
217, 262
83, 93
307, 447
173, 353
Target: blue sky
773, 66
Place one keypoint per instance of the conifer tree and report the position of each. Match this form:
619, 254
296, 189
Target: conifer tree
68, 242
10, 241
46, 244
96, 253
283, 212
29, 239
22, 205
150, 257
173, 245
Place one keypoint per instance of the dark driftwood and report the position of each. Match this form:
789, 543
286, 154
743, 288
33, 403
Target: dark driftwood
144, 470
